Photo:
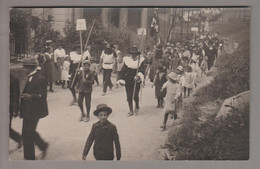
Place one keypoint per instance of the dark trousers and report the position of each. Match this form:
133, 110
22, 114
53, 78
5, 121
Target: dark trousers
31, 137
210, 62
13, 134
96, 78
107, 79
160, 101
87, 97
73, 82
185, 89
129, 93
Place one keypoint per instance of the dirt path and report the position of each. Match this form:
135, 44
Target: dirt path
140, 136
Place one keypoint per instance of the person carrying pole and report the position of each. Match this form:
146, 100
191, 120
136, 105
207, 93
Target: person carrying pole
77, 57
132, 75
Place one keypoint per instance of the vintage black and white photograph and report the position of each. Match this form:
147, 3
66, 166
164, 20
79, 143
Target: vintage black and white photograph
129, 83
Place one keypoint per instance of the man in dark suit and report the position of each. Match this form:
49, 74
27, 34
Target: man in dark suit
33, 107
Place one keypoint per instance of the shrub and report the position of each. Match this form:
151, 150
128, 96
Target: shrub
221, 139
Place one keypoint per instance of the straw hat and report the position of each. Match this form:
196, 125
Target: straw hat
102, 107
173, 76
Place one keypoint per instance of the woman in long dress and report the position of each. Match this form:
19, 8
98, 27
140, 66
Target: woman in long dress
50, 68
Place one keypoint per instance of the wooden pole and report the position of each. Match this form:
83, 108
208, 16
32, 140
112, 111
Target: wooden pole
86, 44
80, 37
172, 24
188, 25
82, 51
181, 23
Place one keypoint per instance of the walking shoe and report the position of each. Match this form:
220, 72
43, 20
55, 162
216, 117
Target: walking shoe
111, 87
51, 90
163, 127
81, 118
86, 119
103, 94
136, 111
158, 106
130, 114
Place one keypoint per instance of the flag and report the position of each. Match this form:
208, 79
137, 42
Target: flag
154, 30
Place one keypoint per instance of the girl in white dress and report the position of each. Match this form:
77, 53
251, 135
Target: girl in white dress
65, 72
173, 94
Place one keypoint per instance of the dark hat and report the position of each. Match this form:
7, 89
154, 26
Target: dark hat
189, 69
134, 50
102, 107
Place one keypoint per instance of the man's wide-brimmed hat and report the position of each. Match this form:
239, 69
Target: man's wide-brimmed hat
173, 76
102, 107
134, 50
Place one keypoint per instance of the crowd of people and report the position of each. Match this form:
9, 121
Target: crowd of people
175, 68
172, 69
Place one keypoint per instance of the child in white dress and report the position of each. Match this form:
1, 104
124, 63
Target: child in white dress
189, 79
65, 72
172, 96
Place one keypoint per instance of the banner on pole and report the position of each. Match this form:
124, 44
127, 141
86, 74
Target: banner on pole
194, 29
141, 31
81, 24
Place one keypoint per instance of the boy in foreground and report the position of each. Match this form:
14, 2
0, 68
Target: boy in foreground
104, 134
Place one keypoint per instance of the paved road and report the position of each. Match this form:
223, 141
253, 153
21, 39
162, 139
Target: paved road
140, 136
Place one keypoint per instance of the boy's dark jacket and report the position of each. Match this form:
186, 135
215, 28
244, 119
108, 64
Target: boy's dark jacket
85, 85
104, 135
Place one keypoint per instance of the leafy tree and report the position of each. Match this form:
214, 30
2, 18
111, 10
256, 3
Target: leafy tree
44, 31
98, 37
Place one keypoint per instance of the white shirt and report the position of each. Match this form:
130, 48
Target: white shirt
86, 55
108, 60
59, 53
76, 58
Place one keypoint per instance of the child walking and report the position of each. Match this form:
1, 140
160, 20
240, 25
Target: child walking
65, 72
104, 134
159, 80
188, 83
86, 80
172, 96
